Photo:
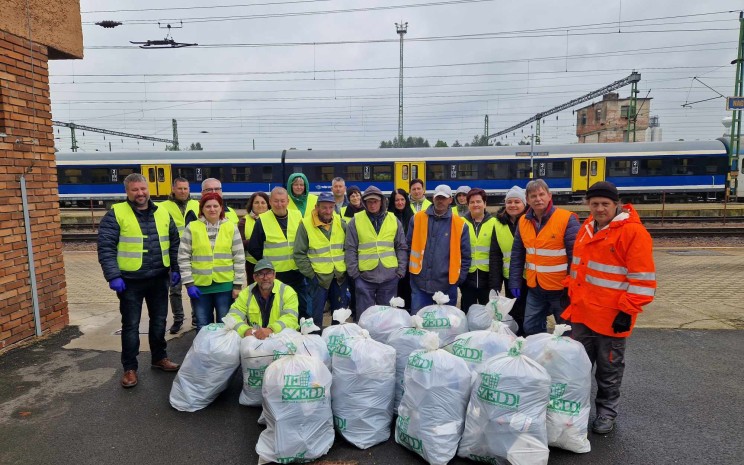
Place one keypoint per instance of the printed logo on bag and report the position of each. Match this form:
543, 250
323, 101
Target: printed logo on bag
417, 362
414, 332
401, 435
488, 392
334, 341
460, 348
342, 350
279, 354
431, 320
560, 405
339, 423
485, 459
298, 458
214, 326
254, 376
496, 313
297, 389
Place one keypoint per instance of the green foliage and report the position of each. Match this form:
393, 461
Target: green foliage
407, 143
440, 143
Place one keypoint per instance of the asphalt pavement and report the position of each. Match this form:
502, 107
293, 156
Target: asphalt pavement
683, 402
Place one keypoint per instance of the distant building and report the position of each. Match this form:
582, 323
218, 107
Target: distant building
653, 133
607, 120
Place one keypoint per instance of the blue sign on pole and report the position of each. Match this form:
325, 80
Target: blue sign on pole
734, 103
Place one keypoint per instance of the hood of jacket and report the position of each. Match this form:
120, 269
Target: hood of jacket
299, 200
383, 203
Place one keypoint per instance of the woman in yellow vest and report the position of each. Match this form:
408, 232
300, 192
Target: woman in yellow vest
507, 219
211, 254
257, 204
482, 226
300, 198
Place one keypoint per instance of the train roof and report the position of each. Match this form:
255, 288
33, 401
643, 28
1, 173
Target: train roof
168, 157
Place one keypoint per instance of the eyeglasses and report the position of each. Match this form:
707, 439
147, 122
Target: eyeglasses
265, 274
213, 189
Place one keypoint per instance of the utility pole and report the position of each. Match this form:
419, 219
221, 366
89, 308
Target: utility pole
74, 139
485, 128
632, 116
536, 136
735, 143
175, 136
401, 28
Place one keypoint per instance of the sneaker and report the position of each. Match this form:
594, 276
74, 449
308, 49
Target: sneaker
603, 425
175, 328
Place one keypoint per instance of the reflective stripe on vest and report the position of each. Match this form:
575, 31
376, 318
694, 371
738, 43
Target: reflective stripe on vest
376, 248
480, 245
326, 254
619, 273
254, 316
546, 262
278, 248
231, 215
208, 265
418, 245
505, 239
175, 212
131, 247
250, 223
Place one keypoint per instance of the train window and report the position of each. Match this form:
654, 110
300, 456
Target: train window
593, 168
651, 167
71, 176
212, 172
161, 175
522, 170
467, 171
382, 173
151, 174
598, 115
241, 173
497, 170
618, 168
582, 168
267, 173
327, 173
188, 174
436, 172
582, 118
353, 173
556, 169
99, 175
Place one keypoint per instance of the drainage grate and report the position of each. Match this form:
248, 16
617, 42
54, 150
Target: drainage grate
696, 253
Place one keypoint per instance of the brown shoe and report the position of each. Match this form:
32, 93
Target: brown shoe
166, 365
129, 380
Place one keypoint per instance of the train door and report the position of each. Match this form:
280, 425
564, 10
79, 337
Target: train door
587, 171
158, 179
407, 170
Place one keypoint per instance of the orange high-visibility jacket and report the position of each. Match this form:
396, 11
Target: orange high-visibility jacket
546, 261
612, 271
418, 245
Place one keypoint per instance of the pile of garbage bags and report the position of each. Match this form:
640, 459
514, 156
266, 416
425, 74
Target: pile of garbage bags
445, 320
382, 320
405, 341
497, 309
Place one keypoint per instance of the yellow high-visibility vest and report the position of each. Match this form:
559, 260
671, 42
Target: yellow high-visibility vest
175, 212
212, 266
506, 239
326, 254
250, 223
231, 215
278, 248
376, 248
312, 199
480, 246
131, 247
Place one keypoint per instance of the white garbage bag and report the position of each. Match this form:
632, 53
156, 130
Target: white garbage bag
297, 410
476, 347
208, 367
381, 320
506, 415
405, 341
311, 344
570, 372
363, 390
336, 334
431, 414
497, 308
255, 356
445, 320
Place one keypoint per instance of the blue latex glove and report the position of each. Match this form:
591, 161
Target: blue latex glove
175, 278
117, 284
516, 292
193, 292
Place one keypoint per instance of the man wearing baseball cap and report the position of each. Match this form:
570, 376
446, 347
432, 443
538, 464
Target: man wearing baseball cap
440, 251
612, 277
319, 255
267, 306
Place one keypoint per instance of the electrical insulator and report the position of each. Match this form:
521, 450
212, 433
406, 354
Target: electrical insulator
108, 24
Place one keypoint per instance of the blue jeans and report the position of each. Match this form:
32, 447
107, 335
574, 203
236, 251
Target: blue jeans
208, 306
420, 298
540, 304
335, 295
154, 292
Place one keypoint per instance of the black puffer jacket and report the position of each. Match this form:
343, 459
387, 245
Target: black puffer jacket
152, 262
496, 257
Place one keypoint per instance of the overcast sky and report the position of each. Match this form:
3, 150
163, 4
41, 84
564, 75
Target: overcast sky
256, 75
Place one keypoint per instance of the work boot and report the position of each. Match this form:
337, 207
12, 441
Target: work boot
603, 425
166, 365
176, 327
129, 380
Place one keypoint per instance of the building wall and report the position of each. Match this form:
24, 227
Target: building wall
55, 24
603, 121
28, 147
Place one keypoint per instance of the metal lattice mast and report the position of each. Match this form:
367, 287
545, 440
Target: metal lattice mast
74, 126
401, 28
485, 128
175, 135
632, 116
735, 144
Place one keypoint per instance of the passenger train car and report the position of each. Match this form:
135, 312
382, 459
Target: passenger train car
642, 171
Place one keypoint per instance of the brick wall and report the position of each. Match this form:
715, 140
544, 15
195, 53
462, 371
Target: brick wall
604, 121
25, 118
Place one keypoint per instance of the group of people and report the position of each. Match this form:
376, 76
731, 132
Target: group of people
298, 252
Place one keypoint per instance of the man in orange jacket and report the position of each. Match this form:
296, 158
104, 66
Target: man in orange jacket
612, 277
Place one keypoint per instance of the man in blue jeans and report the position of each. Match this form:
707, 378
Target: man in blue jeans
440, 251
137, 247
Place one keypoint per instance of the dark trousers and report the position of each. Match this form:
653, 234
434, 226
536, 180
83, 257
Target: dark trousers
472, 295
608, 353
421, 298
335, 295
154, 292
297, 281
540, 304
369, 294
211, 308
404, 289
517, 311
